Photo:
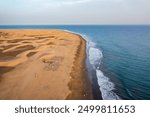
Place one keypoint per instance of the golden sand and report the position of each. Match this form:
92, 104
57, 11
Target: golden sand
42, 64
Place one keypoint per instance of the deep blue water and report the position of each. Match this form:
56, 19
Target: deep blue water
120, 55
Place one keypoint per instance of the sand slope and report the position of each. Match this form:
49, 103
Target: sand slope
42, 64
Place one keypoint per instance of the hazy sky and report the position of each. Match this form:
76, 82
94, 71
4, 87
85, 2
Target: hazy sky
74, 12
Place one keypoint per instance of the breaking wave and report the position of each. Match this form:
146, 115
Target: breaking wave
106, 86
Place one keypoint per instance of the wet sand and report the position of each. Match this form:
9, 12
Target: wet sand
43, 64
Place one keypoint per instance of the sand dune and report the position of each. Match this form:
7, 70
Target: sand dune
42, 64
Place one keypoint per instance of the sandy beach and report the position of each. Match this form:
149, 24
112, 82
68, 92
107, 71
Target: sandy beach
43, 65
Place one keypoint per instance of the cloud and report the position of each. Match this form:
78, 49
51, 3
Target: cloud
75, 1
59, 3
56, 2
74, 11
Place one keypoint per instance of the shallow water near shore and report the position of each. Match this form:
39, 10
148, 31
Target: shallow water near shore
119, 56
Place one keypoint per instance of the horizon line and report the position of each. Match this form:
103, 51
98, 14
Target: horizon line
63, 24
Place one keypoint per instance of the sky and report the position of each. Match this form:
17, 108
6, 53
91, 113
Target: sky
76, 12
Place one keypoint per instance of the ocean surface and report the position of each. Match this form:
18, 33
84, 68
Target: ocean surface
118, 58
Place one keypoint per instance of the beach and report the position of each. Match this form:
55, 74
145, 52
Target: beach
43, 65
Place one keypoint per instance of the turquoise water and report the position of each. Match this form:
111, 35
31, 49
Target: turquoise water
119, 56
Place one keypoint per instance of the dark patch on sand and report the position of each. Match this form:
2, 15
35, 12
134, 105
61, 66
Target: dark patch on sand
4, 70
31, 54
13, 53
50, 43
64, 39
30, 35
24, 48
26, 42
2, 41
14, 41
53, 63
3, 34
43, 37
28, 39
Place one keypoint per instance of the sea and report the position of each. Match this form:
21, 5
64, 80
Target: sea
118, 58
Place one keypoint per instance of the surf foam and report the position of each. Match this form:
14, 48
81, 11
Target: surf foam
106, 86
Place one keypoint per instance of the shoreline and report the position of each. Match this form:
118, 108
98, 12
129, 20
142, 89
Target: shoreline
85, 88
69, 79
